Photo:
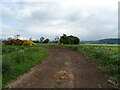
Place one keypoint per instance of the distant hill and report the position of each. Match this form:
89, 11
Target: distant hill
104, 41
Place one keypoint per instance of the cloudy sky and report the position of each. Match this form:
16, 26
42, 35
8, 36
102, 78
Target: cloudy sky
87, 19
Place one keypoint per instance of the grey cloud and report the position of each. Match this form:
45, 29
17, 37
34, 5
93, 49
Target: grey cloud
87, 25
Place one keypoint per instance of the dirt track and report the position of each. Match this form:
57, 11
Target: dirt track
64, 68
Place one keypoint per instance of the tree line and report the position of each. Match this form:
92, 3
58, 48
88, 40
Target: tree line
62, 39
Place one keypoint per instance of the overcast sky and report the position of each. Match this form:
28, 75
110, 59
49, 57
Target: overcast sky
87, 19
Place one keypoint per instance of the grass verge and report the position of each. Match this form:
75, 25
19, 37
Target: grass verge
17, 60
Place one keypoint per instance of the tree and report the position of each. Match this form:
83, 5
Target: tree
30, 38
10, 38
64, 39
17, 36
36, 41
56, 39
69, 39
46, 41
41, 39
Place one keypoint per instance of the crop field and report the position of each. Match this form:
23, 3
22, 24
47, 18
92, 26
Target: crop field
105, 56
114, 47
17, 60
102, 44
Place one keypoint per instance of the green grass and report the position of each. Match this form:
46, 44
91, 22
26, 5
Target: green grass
0, 66
106, 57
101, 44
113, 48
17, 60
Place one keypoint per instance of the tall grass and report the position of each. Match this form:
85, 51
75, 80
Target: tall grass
0, 66
107, 59
17, 60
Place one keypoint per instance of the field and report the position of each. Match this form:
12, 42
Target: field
104, 55
17, 60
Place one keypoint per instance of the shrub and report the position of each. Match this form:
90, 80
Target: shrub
46, 41
69, 39
19, 42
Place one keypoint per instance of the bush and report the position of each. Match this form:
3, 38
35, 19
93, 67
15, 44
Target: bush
46, 41
69, 39
19, 42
